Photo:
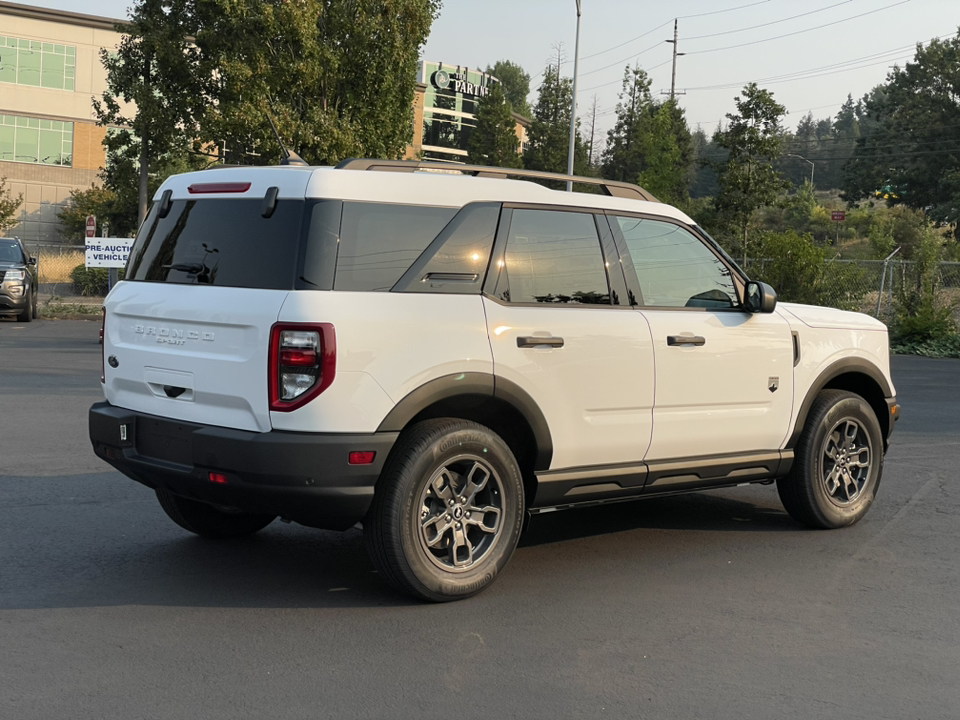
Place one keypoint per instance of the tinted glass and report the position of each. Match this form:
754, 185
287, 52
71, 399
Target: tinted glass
457, 260
378, 242
674, 266
553, 257
215, 241
10, 252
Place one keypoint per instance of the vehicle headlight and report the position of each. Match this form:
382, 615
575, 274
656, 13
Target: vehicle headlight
15, 275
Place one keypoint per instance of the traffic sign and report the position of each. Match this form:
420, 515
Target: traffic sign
838, 215
91, 226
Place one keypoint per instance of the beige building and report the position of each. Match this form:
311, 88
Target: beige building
50, 143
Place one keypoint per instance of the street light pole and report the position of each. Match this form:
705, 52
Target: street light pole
812, 165
573, 102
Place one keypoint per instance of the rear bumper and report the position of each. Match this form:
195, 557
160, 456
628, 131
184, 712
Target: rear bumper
301, 476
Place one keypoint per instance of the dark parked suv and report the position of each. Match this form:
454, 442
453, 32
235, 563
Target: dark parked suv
18, 281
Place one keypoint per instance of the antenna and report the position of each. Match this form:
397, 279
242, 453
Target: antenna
289, 157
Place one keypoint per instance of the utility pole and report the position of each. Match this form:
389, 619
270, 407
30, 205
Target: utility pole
573, 103
673, 77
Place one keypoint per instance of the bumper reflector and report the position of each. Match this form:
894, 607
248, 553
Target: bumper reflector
362, 458
218, 478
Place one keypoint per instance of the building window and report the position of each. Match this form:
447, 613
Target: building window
32, 140
40, 64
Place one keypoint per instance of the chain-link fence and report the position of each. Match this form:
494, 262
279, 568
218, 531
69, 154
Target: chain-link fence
55, 263
868, 286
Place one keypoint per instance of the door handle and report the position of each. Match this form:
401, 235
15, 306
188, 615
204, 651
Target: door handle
686, 340
534, 341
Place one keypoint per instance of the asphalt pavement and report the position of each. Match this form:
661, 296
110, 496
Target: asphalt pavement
714, 605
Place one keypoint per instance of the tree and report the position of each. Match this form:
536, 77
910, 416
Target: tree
494, 140
910, 147
95, 200
8, 206
334, 75
747, 178
155, 75
516, 84
650, 142
549, 134
623, 157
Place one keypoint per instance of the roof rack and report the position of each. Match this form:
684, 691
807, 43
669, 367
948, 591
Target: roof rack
609, 187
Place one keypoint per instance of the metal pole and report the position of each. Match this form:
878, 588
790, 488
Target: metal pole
883, 278
573, 102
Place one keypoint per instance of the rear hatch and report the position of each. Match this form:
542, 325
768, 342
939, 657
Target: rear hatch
187, 332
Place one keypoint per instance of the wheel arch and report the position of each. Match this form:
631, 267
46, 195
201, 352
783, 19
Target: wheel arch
493, 401
853, 375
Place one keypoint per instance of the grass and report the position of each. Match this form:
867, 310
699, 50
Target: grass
56, 309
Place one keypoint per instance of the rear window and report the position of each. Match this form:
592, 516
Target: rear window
220, 241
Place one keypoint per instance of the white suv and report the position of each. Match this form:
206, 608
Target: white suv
440, 351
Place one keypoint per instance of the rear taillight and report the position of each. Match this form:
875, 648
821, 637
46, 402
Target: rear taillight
103, 349
303, 362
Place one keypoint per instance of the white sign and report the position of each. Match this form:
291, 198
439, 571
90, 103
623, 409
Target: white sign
108, 252
91, 225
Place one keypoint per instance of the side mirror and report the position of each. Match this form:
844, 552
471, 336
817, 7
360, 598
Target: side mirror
759, 298
31, 261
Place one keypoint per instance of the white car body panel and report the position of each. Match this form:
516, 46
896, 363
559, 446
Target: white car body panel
400, 341
827, 336
212, 341
715, 399
596, 392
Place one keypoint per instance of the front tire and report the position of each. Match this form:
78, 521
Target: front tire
28, 312
447, 511
209, 522
837, 465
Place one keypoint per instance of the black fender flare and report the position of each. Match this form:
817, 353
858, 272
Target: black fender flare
835, 370
474, 384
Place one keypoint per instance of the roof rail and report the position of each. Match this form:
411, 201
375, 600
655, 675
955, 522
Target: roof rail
609, 187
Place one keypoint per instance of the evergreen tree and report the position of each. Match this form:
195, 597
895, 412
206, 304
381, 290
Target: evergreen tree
494, 140
650, 142
747, 178
516, 84
910, 133
623, 157
549, 134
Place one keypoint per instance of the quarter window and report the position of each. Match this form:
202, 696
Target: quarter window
378, 242
675, 268
553, 257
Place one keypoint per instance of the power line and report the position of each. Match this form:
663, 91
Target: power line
665, 62
680, 17
775, 22
800, 32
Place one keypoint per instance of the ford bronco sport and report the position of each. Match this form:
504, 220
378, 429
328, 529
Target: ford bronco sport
439, 351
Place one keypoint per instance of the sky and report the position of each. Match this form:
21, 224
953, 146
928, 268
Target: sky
810, 55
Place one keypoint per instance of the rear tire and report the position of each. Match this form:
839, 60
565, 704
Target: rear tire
447, 511
209, 522
837, 465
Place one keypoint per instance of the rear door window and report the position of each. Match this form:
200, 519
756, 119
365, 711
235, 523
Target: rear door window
220, 241
553, 257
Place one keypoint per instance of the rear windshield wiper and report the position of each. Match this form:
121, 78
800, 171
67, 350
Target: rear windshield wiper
189, 268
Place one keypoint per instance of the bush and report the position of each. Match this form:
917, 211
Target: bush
91, 282
799, 271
